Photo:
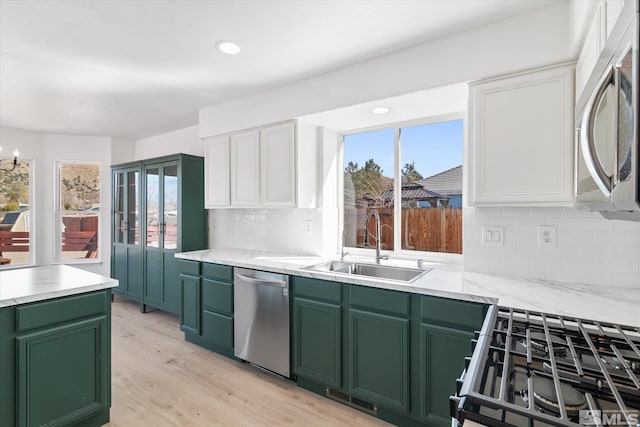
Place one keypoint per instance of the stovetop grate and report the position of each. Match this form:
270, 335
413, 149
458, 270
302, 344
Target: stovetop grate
519, 353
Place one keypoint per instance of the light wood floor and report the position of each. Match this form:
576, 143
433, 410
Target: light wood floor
159, 379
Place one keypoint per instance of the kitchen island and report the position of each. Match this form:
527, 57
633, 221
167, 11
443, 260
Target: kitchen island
55, 347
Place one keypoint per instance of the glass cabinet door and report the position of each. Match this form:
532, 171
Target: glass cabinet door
133, 226
153, 219
170, 206
119, 221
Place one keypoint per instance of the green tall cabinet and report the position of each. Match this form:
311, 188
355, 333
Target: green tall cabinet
126, 249
169, 217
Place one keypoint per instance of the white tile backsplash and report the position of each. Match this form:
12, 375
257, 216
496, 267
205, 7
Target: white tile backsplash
296, 231
590, 249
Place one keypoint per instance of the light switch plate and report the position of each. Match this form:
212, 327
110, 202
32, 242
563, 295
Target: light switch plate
492, 236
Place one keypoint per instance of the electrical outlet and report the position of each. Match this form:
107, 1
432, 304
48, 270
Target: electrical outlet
547, 236
307, 226
245, 224
492, 236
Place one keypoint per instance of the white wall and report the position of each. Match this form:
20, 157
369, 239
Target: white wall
329, 147
44, 150
295, 231
184, 141
525, 41
590, 249
122, 151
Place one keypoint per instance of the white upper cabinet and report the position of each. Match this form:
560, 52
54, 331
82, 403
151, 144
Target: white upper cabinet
605, 15
216, 172
269, 167
245, 169
613, 8
593, 44
521, 139
278, 160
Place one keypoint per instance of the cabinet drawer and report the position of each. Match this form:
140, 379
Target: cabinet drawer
217, 296
380, 299
189, 267
50, 312
217, 271
317, 289
217, 328
444, 311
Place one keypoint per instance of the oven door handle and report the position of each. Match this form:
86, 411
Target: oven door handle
587, 140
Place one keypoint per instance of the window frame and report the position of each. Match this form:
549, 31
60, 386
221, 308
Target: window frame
400, 253
31, 221
57, 226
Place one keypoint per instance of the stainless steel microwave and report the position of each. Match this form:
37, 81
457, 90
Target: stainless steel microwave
607, 164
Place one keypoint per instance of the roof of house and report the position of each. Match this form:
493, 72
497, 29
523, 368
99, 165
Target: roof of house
413, 191
446, 183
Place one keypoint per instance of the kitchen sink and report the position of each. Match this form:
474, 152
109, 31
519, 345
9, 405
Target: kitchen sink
388, 272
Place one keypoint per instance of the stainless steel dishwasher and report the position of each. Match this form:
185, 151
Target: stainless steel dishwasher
261, 319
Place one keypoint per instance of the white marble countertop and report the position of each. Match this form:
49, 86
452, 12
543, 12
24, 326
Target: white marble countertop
603, 303
26, 285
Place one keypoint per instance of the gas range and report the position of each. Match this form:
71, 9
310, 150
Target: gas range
535, 369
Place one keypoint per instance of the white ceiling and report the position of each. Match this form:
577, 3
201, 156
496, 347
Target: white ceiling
134, 69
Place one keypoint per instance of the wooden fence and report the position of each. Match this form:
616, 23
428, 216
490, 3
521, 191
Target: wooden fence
423, 229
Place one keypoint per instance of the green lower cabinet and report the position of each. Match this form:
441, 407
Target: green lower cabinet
55, 362
127, 268
190, 301
442, 353
218, 329
61, 377
317, 341
367, 347
162, 288
206, 305
379, 358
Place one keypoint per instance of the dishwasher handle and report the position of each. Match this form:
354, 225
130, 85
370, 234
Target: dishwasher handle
254, 281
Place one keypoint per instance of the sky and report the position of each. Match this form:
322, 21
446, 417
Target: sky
434, 147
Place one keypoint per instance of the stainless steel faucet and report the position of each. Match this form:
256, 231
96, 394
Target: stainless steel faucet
365, 242
344, 242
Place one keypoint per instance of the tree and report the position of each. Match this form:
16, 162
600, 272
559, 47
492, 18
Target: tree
410, 174
80, 187
14, 186
16, 192
367, 180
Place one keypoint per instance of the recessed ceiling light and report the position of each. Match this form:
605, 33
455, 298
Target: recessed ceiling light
228, 47
380, 110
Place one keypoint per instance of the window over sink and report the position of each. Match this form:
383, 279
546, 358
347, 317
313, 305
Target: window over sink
411, 175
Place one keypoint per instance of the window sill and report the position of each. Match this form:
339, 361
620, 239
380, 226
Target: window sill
78, 262
7, 267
